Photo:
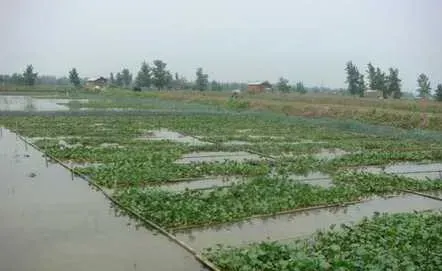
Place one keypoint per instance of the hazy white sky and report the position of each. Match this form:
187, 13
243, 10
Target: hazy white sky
233, 40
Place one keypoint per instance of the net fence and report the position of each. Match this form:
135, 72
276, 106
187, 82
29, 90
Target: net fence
153, 106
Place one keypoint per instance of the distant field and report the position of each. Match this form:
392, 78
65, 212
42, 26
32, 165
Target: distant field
406, 114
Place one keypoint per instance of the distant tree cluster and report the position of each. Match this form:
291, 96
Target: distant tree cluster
355, 80
284, 86
74, 78
389, 85
215, 86
148, 76
202, 80
144, 76
424, 88
439, 93
28, 77
299, 87
121, 79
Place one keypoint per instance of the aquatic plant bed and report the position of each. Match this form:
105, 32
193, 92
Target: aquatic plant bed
406, 241
262, 195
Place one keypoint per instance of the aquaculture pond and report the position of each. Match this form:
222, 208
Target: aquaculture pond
238, 179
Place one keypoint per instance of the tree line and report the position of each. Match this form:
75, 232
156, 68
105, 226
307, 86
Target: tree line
155, 76
388, 84
158, 76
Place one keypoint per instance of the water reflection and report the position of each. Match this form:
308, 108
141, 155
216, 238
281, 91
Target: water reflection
27, 103
416, 171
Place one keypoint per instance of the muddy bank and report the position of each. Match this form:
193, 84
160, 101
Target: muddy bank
51, 222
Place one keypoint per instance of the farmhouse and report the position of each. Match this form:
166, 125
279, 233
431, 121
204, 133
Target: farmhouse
372, 93
96, 83
258, 87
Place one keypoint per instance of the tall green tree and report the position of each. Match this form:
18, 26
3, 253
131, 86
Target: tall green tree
355, 80
74, 78
202, 80
381, 82
17, 79
127, 77
371, 76
361, 86
144, 77
160, 76
111, 79
283, 85
394, 83
181, 82
424, 87
169, 80
29, 77
119, 80
300, 88
215, 86
176, 82
438, 94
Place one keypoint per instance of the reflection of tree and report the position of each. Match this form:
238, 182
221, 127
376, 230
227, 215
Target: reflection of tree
28, 104
4, 103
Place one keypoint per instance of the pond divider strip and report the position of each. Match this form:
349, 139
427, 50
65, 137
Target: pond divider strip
135, 213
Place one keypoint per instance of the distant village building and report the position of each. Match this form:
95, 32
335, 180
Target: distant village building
258, 87
96, 83
373, 93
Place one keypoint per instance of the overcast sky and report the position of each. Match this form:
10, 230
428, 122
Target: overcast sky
233, 40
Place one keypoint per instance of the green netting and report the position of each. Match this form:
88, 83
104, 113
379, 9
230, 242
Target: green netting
130, 106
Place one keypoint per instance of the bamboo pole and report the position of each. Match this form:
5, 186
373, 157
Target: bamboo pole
285, 212
422, 194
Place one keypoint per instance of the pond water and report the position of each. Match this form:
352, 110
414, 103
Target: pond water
205, 183
298, 225
51, 222
198, 157
413, 170
166, 134
27, 103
